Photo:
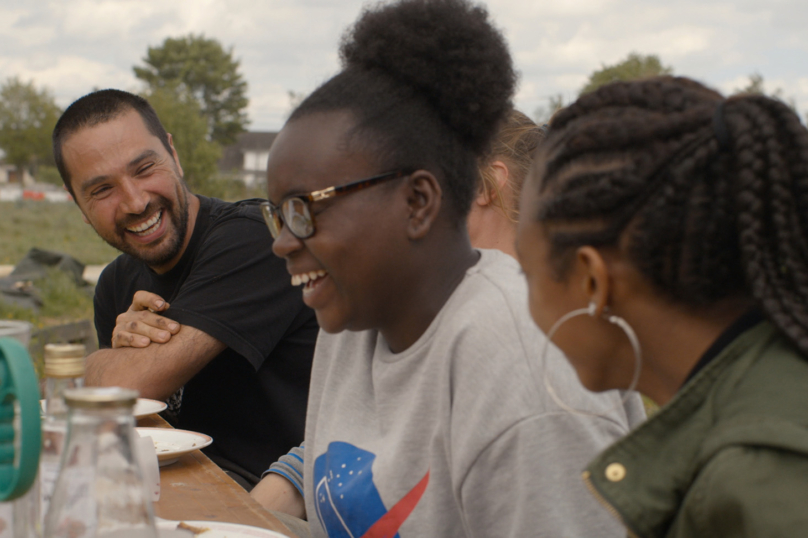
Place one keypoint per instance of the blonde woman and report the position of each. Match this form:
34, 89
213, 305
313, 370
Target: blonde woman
495, 210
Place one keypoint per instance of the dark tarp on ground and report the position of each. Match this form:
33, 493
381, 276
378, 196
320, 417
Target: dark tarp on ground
18, 289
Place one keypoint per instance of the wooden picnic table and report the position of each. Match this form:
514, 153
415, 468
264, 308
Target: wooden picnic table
196, 489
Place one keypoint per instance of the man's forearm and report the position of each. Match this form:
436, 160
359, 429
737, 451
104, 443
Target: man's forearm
156, 371
122, 367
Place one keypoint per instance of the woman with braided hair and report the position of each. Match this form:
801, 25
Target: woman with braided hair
423, 417
665, 225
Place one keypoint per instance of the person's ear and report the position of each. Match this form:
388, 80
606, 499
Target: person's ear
595, 278
486, 195
174, 154
424, 201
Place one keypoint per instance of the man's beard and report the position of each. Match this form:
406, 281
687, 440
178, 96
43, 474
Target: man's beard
171, 245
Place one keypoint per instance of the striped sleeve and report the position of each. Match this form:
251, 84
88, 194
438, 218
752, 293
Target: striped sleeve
290, 466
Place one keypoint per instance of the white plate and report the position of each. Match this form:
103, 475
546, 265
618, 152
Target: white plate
171, 444
143, 407
218, 529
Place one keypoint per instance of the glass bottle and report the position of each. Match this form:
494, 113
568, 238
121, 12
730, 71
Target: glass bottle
100, 490
64, 369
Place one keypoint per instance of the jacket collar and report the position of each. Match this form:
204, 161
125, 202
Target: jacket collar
643, 477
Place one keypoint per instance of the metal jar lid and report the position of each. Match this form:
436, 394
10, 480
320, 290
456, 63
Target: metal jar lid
64, 360
100, 398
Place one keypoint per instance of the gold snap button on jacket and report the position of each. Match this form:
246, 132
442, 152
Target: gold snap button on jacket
615, 472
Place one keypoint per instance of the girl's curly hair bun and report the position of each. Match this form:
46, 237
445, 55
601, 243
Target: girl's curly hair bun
447, 51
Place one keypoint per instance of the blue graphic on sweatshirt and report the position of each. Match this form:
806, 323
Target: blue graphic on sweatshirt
347, 500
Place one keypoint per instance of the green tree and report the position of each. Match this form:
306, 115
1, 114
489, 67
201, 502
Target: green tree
180, 115
27, 119
198, 66
634, 67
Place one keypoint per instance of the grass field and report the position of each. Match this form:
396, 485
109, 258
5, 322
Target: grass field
63, 302
49, 226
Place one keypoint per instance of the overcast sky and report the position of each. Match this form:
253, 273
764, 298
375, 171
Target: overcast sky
74, 46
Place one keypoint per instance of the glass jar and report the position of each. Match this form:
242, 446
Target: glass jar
64, 369
100, 490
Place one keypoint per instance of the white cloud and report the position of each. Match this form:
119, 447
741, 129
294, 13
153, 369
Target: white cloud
69, 77
73, 46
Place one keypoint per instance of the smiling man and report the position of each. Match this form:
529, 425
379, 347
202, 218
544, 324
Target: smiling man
232, 334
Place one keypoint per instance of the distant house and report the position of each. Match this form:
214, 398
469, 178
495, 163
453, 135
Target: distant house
247, 158
10, 174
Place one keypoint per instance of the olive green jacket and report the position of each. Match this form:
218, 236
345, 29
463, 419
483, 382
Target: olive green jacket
727, 457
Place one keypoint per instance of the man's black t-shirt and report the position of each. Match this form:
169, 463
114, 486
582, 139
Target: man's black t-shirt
251, 398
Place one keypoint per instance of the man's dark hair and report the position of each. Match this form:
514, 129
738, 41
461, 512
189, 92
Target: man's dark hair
100, 107
709, 197
428, 82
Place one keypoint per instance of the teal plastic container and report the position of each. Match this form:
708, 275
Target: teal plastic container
20, 428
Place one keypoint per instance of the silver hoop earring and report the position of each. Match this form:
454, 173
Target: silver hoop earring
616, 320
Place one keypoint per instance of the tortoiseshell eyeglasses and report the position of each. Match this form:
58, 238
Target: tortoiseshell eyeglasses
294, 211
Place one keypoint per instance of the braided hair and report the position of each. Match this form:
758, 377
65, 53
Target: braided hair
708, 197
427, 82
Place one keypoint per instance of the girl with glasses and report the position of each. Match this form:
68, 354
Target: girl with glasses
424, 417
685, 215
